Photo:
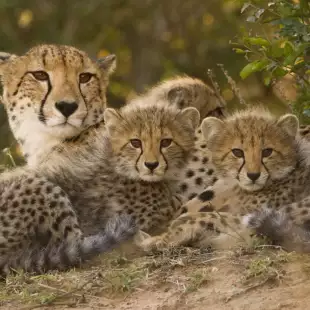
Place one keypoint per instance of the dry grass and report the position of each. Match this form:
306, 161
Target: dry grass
114, 277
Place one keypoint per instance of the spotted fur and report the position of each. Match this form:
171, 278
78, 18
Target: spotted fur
39, 229
281, 181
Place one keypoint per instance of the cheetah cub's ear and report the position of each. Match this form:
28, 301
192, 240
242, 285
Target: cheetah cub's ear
210, 127
4, 59
189, 115
107, 64
178, 96
289, 123
111, 119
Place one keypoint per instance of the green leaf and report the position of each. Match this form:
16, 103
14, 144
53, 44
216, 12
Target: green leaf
288, 48
267, 78
279, 72
257, 41
240, 51
252, 67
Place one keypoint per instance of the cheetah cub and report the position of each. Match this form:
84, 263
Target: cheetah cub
132, 167
52, 93
184, 92
122, 180
262, 163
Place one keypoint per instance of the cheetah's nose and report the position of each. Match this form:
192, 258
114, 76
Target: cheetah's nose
151, 165
253, 175
66, 108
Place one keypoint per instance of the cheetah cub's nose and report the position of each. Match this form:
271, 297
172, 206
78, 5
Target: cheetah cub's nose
66, 108
151, 165
253, 175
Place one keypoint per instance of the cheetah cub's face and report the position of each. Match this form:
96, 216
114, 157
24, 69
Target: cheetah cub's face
252, 146
151, 142
54, 90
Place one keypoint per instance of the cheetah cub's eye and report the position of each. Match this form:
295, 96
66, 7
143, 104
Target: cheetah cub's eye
40, 75
136, 143
267, 152
85, 77
238, 153
165, 142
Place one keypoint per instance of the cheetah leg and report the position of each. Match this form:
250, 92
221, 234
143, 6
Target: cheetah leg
203, 230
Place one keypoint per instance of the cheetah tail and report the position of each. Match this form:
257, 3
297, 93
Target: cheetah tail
71, 253
280, 229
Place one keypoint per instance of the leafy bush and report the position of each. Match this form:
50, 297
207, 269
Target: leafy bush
280, 46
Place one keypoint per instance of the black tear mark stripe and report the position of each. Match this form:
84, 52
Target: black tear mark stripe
166, 161
240, 169
84, 97
136, 165
19, 84
41, 113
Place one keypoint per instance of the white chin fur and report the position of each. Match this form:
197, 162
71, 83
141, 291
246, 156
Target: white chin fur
251, 187
151, 177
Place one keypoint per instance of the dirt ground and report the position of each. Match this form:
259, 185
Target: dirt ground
257, 279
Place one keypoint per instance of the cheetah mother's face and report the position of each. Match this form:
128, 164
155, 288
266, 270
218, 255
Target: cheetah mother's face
55, 90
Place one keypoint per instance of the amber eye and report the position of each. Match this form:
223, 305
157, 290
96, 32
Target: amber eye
267, 152
136, 143
40, 75
238, 153
165, 142
85, 77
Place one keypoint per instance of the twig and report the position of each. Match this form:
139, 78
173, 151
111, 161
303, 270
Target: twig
233, 85
216, 88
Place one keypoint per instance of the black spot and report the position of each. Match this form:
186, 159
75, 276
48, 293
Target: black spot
25, 201
48, 189
210, 171
53, 204
190, 173
195, 158
206, 195
15, 204
203, 146
202, 169
41, 219
205, 160
198, 181
184, 187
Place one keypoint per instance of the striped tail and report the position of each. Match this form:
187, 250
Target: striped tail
71, 253
280, 229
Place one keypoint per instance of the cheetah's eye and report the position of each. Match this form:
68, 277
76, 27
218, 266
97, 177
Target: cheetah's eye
267, 152
136, 143
40, 75
238, 153
85, 77
165, 142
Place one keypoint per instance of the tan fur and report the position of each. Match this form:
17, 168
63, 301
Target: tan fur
31, 103
109, 175
283, 180
183, 92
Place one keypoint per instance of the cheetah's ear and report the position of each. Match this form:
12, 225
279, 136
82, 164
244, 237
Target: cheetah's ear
111, 119
107, 64
178, 96
189, 115
4, 59
211, 126
289, 123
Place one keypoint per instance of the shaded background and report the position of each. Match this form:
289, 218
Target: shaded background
153, 40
